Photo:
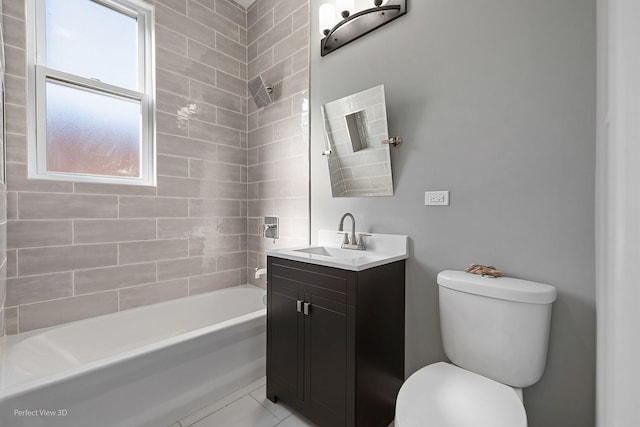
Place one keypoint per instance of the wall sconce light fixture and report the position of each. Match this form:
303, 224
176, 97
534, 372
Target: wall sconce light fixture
356, 25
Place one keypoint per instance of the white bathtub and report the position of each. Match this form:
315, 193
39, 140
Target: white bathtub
149, 366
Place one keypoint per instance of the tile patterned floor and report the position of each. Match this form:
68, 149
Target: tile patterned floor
247, 407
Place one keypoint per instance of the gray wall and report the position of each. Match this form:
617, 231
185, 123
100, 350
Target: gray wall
495, 100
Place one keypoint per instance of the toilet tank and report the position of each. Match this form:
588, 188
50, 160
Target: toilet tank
496, 327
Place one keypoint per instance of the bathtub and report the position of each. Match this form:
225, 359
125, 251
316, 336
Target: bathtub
148, 366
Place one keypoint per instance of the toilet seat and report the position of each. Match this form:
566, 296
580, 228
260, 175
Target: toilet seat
444, 395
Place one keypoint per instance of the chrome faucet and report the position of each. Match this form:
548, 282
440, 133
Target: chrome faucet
347, 240
352, 243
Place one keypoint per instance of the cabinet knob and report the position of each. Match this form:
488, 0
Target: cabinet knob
299, 306
306, 308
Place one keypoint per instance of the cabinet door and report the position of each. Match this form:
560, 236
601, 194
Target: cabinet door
326, 348
285, 329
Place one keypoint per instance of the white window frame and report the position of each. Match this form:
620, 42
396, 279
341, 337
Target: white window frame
38, 74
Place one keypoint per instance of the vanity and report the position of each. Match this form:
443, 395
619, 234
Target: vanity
335, 329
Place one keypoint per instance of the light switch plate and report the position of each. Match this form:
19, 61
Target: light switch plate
436, 198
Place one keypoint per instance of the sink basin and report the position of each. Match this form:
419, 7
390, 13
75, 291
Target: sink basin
332, 252
380, 249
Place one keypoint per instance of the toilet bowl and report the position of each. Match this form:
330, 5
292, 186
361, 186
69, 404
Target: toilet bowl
495, 331
444, 395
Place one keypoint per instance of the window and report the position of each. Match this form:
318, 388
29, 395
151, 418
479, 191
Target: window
91, 91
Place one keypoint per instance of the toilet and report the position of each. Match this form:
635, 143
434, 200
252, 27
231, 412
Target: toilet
495, 331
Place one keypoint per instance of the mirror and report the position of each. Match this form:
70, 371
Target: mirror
355, 127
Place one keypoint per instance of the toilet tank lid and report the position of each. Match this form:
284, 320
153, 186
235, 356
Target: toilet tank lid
505, 288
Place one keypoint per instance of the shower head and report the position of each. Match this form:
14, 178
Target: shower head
260, 92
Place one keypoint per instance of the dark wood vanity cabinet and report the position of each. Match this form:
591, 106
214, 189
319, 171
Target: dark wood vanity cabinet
335, 341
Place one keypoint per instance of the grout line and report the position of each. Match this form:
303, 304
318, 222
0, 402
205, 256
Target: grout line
217, 410
211, 67
63, 298
70, 245
195, 21
267, 409
17, 18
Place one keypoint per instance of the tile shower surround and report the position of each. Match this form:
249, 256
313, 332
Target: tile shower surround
278, 135
77, 250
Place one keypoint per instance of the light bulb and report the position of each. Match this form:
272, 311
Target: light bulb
345, 6
327, 16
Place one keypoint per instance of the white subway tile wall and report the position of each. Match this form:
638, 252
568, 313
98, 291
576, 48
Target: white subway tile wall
77, 250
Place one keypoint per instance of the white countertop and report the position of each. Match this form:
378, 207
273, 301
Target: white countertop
381, 249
